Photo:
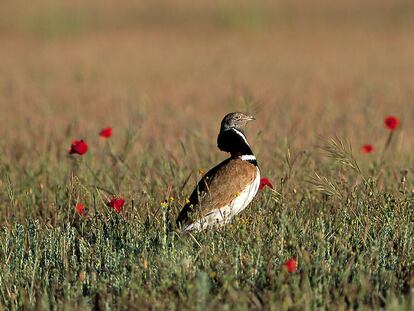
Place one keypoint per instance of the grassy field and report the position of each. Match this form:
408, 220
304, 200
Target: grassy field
162, 75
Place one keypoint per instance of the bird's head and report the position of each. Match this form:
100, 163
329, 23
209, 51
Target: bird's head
236, 120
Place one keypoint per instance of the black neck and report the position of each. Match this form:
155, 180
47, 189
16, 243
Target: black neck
234, 141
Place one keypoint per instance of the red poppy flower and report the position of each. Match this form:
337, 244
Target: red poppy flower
291, 265
106, 132
80, 209
367, 148
391, 122
116, 204
265, 182
79, 147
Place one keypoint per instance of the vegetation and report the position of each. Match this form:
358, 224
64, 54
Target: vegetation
320, 80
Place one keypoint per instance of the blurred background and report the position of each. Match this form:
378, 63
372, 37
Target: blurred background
171, 69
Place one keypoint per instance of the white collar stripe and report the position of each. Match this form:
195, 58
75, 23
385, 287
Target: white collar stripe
242, 136
248, 157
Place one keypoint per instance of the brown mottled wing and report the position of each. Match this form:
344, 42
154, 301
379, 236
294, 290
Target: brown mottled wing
218, 188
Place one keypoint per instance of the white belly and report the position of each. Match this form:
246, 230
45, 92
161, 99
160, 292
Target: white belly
224, 214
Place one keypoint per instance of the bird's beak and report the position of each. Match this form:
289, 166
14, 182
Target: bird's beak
250, 118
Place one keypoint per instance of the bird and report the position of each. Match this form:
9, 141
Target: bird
229, 187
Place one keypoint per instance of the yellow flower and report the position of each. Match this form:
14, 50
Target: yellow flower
187, 200
164, 204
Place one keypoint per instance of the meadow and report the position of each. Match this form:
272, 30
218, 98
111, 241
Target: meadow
320, 77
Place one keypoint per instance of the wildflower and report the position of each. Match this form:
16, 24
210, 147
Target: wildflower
367, 148
265, 182
164, 204
80, 209
106, 132
116, 204
78, 147
391, 122
291, 265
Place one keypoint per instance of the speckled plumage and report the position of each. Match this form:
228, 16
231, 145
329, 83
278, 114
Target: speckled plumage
229, 187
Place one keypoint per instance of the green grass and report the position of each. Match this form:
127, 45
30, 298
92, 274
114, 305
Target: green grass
354, 245
169, 71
